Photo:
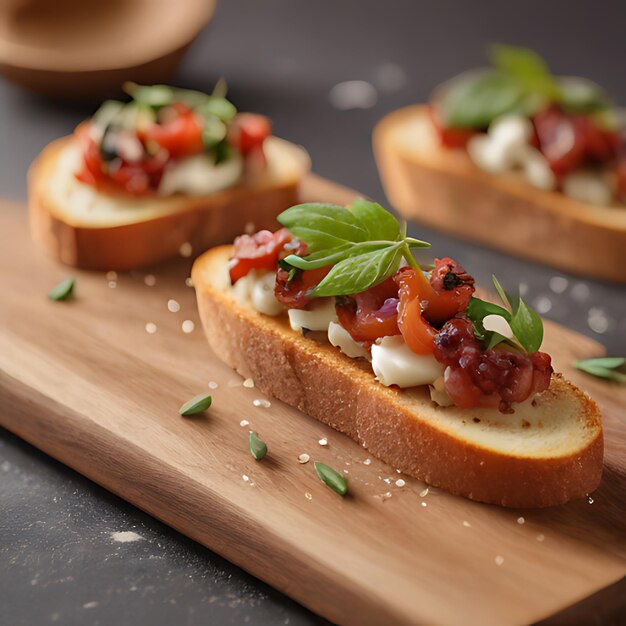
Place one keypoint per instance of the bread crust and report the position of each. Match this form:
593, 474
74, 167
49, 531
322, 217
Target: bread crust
342, 393
444, 189
202, 221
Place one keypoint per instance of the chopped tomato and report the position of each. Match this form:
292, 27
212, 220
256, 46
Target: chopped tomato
180, 134
370, 314
248, 131
258, 252
450, 137
295, 293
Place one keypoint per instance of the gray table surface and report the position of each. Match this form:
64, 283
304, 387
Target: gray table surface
62, 559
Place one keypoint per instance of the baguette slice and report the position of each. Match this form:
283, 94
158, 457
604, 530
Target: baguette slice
546, 453
444, 189
87, 229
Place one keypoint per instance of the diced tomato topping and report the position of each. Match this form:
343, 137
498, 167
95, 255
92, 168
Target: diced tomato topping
179, 134
567, 141
260, 252
370, 314
248, 131
296, 293
450, 137
477, 377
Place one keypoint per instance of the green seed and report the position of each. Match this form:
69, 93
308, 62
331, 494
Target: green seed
63, 291
331, 478
258, 447
197, 404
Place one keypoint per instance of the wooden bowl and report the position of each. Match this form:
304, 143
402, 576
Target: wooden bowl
83, 49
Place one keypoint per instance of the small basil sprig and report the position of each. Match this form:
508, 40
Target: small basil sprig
197, 404
519, 82
257, 447
63, 291
363, 242
331, 478
610, 368
524, 322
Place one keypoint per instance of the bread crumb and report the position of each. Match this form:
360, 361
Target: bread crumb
151, 328
245, 478
248, 383
367, 462
244, 423
400, 482
304, 458
308, 496
323, 441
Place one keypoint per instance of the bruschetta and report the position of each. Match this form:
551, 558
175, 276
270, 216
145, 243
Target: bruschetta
516, 158
332, 314
170, 168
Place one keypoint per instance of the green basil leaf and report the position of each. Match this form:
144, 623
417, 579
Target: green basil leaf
197, 404
604, 367
150, 95
477, 311
527, 327
475, 100
331, 256
527, 67
213, 132
217, 107
257, 447
331, 478
323, 225
582, 96
63, 291
358, 273
380, 224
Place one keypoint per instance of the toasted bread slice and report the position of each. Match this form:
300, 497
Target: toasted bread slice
548, 452
88, 229
444, 189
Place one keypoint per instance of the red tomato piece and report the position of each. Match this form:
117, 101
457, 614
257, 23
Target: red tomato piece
371, 314
296, 293
248, 131
180, 134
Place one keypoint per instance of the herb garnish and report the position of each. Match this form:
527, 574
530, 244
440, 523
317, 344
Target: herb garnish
197, 404
258, 448
331, 478
604, 367
525, 324
519, 82
63, 291
363, 242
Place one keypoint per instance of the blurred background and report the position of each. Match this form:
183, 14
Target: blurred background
295, 61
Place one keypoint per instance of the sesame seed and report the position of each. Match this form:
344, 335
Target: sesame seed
244, 423
304, 458
323, 442
424, 493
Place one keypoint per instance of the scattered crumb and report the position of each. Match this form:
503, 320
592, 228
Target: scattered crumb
90, 605
125, 536
304, 458
499, 560
387, 480
244, 423
323, 441
424, 493
424, 504
151, 328
346, 471
466, 524
308, 496
590, 500
111, 275
150, 280
213, 384
521, 520
540, 537
398, 471
188, 326
186, 250
367, 462
248, 383
173, 306
400, 482
245, 478
264, 403
189, 281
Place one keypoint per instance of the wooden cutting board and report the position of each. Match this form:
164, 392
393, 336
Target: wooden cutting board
85, 382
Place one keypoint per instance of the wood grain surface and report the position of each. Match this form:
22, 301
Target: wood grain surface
85, 382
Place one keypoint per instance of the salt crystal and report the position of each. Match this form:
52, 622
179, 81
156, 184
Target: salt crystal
264, 403
244, 423
367, 462
245, 478
323, 442
125, 536
151, 328
424, 504
213, 385
400, 482
186, 250
188, 326
387, 480
398, 471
